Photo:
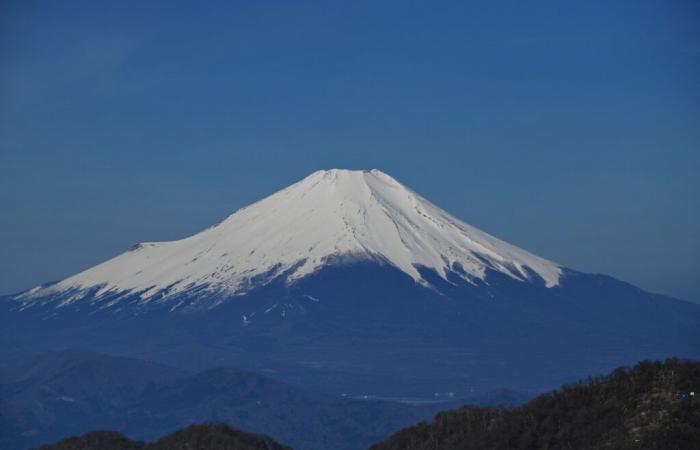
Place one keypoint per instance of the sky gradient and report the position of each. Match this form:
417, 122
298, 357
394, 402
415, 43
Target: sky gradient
569, 129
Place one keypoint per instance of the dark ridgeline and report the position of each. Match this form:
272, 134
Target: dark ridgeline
61, 394
650, 406
647, 407
199, 437
107, 440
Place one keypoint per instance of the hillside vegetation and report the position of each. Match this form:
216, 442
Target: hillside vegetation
201, 437
649, 406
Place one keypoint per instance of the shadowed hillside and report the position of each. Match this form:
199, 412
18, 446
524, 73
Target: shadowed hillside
60, 394
201, 437
649, 406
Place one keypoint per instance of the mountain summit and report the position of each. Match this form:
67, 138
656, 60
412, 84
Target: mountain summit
350, 282
329, 217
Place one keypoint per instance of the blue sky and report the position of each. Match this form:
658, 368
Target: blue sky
571, 129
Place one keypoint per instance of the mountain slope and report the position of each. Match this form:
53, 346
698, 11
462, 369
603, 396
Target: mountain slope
350, 283
66, 393
57, 394
201, 437
648, 407
335, 215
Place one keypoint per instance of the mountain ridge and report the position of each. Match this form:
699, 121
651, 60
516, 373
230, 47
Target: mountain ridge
365, 326
61, 393
651, 405
327, 218
647, 406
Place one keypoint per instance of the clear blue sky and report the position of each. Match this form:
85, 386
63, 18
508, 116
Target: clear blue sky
571, 129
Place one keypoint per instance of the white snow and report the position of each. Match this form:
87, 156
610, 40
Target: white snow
329, 215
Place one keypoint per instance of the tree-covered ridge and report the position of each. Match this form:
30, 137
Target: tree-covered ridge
199, 437
649, 406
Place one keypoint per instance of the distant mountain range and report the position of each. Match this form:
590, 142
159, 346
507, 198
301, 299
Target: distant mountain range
350, 283
651, 406
60, 394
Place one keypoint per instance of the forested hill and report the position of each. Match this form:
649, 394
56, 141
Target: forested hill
202, 437
650, 406
653, 405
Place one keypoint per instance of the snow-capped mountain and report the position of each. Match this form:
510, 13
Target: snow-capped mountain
328, 217
350, 282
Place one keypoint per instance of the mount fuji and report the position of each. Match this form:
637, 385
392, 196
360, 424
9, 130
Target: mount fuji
350, 282
329, 217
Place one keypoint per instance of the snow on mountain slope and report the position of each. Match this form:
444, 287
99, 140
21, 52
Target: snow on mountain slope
332, 215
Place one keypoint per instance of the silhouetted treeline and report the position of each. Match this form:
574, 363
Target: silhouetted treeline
195, 437
649, 406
